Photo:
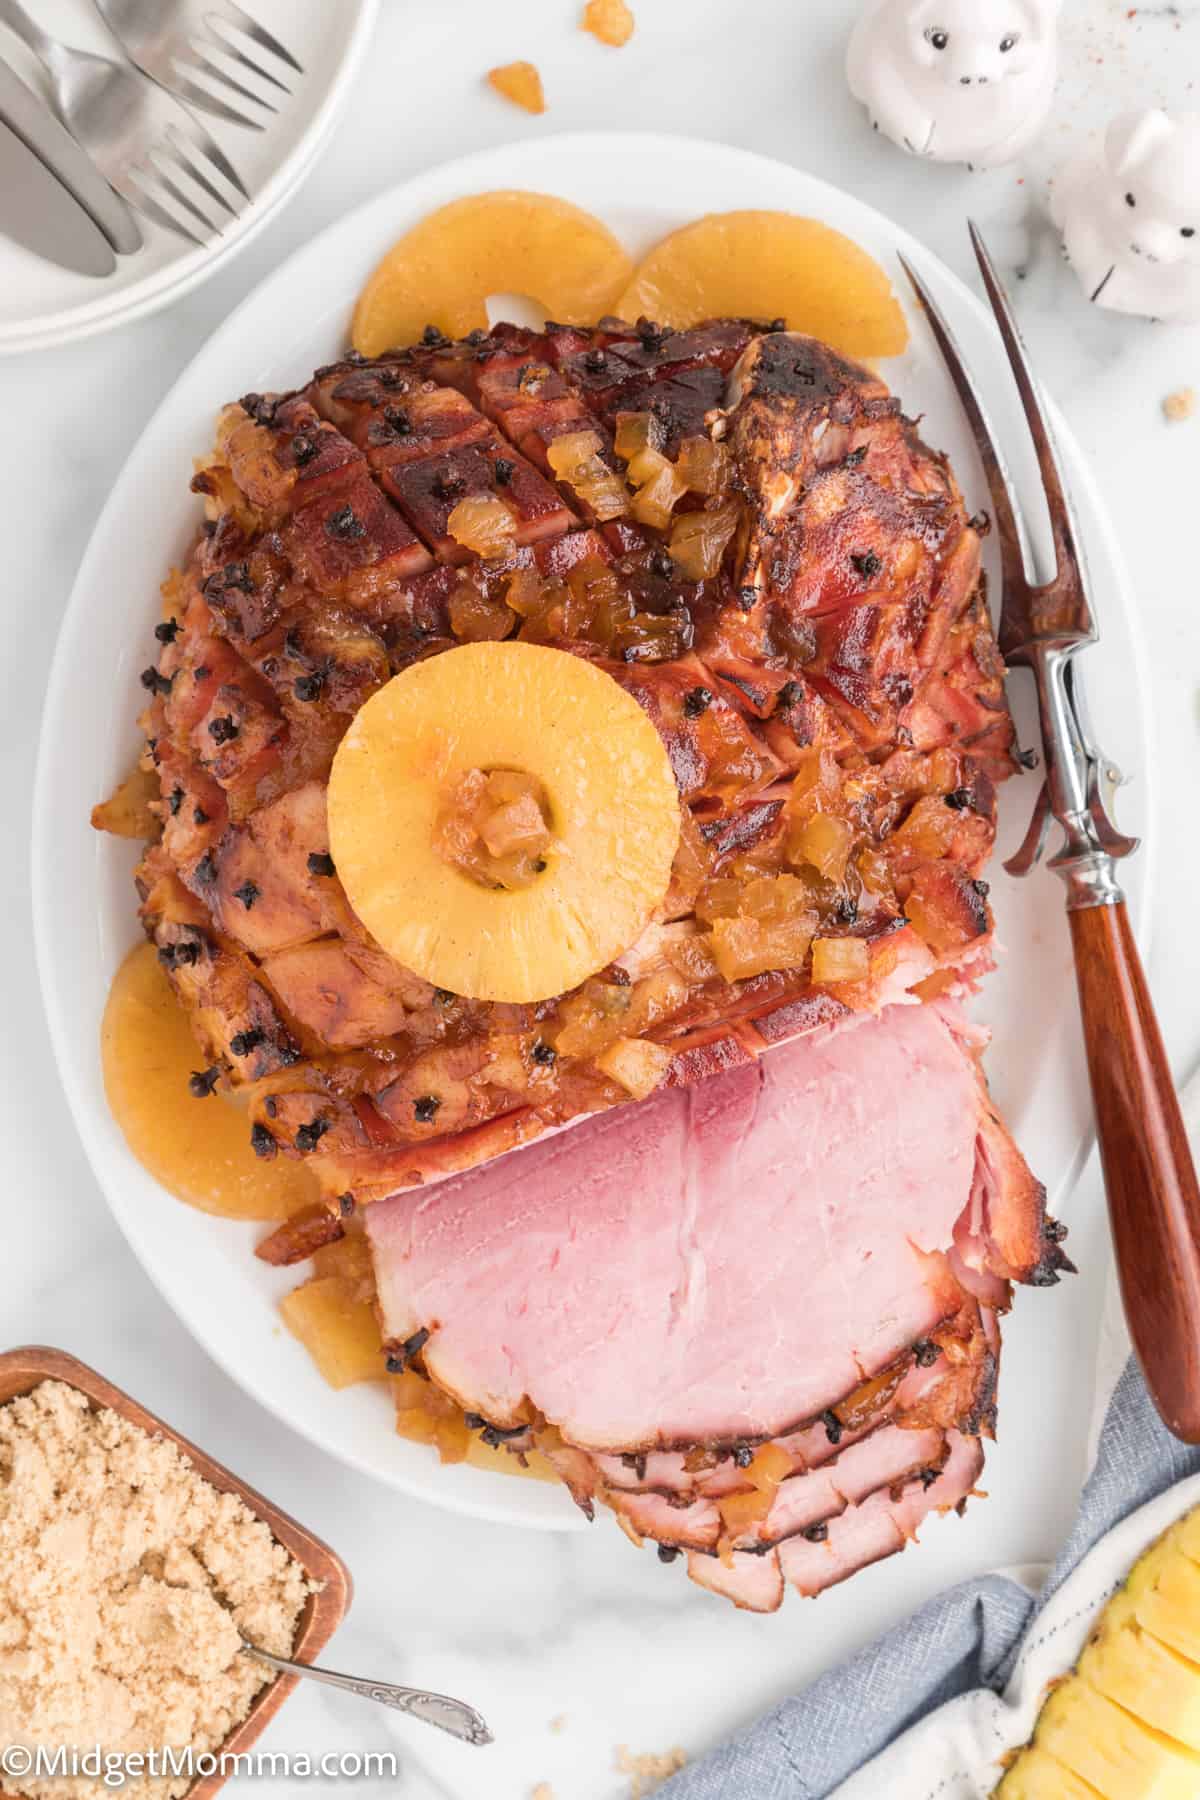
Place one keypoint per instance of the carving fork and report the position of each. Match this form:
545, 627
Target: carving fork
1153, 1199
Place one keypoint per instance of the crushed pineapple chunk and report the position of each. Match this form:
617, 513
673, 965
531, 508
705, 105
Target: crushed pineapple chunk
482, 523
699, 541
824, 842
339, 1330
840, 959
635, 1064
575, 458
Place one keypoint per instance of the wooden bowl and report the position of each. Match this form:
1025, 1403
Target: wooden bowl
24, 1369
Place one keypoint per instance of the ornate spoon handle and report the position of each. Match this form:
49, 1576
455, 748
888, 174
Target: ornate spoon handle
455, 1716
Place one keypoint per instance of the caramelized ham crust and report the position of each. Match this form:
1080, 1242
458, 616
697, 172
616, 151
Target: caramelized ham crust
824, 679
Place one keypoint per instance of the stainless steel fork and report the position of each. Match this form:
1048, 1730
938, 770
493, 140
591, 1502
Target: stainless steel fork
1153, 1196
142, 140
176, 40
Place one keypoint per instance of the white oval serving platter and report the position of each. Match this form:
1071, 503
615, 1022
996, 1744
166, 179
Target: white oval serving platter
84, 906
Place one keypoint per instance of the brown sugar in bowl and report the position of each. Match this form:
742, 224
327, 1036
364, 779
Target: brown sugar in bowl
24, 1369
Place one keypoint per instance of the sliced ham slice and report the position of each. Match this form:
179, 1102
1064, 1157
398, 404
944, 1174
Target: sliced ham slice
803, 1502
884, 1523
719, 1263
754, 1583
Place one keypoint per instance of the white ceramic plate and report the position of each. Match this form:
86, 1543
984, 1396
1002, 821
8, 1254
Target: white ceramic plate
83, 902
41, 304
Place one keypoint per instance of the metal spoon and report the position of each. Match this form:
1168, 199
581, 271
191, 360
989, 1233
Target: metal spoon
455, 1716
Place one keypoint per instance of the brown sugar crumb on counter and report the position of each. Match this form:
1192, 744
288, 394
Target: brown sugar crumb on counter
647, 1769
1180, 405
608, 20
520, 83
125, 1580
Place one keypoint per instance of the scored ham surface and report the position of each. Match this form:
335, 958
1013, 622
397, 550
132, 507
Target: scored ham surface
835, 662
756, 1314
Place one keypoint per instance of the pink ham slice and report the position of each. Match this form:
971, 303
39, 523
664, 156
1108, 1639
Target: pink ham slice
721, 1262
882, 1524
887, 1455
886, 1521
755, 1583
931, 1390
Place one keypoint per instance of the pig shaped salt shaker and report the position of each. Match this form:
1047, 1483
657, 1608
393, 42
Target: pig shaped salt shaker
956, 80
1130, 216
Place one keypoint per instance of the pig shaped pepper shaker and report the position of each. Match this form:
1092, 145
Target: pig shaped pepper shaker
1130, 216
956, 80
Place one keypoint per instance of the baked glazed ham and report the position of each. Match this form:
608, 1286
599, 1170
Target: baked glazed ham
743, 528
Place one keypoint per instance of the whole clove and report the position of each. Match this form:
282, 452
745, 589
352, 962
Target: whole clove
262, 1143
309, 1136
345, 525
866, 563
833, 1426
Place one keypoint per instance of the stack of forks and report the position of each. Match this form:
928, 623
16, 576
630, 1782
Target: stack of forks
136, 117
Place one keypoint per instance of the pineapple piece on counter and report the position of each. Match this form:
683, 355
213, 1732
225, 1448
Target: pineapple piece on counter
1126, 1724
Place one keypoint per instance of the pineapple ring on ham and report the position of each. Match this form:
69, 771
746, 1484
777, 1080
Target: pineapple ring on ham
441, 272
760, 265
610, 798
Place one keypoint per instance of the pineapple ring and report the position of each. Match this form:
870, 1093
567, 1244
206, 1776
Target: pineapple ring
614, 813
766, 265
442, 271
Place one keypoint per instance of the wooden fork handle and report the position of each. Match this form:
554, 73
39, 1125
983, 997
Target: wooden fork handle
1153, 1197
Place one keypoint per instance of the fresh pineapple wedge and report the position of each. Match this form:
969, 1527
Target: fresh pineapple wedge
767, 265
1126, 1724
443, 270
1039, 1776
503, 818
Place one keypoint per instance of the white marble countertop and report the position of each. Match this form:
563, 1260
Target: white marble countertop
538, 1628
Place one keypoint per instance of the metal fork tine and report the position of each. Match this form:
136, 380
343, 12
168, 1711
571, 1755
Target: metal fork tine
1067, 557
188, 164
212, 152
229, 48
262, 37
180, 198
191, 90
139, 195
1012, 559
200, 61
